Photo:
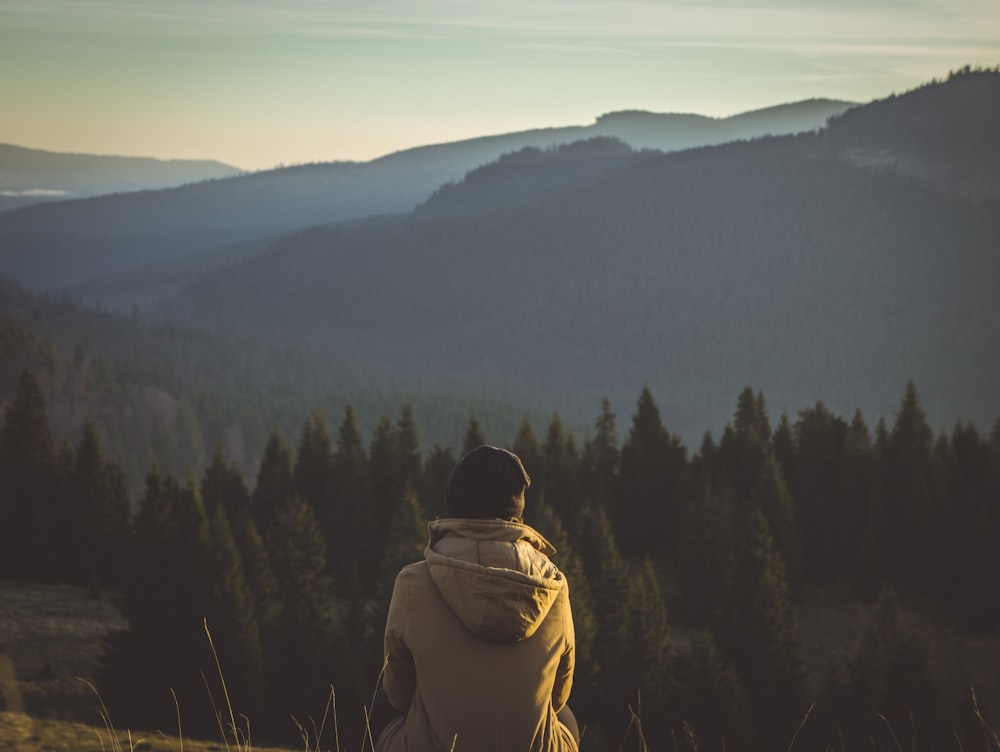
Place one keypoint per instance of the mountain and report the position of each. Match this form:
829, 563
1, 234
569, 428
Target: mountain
783, 262
33, 176
59, 245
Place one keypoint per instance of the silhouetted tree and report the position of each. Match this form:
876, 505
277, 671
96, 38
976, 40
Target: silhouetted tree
757, 631
437, 470
100, 513
601, 458
344, 520
314, 464
560, 483
302, 664
275, 486
711, 701
29, 486
910, 492
222, 485
652, 488
473, 436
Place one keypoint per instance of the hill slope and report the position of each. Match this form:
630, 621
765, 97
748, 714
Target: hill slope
55, 246
32, 176
779, 263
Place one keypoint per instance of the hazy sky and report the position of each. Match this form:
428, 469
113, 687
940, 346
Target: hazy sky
256, 83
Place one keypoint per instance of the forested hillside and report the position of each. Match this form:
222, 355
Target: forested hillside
174, 392
687, 570
555, 278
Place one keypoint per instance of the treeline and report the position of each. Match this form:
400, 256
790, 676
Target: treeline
292, 571
155, 389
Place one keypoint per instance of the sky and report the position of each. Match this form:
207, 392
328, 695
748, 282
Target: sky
262, 83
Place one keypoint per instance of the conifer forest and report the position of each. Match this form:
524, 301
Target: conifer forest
686, 568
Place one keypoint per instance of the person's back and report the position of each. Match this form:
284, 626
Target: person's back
479, 640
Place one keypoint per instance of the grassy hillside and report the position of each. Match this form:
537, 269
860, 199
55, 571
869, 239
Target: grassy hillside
50, 635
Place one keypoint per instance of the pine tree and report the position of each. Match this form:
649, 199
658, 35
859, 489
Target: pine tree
757, 631
910, 492
970, 527
560, 484
222, 485
405, 541
526, 447
711, 700
473, 436
437, 470
653, 485
166, 599
232, 622
646, 669
314, 463
745, 444
275, 486
344, 522
889, 689
608, 577
864, 510
770, 495
100, 511
601, 458
706, 556
29, 492
304, 661
388, 484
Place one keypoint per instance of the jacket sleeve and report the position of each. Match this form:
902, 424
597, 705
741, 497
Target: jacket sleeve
399, 678
567, 663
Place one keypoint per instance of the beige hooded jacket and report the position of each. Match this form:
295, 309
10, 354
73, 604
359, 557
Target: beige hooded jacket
479, 643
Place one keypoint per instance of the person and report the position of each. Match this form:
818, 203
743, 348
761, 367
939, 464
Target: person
479, 641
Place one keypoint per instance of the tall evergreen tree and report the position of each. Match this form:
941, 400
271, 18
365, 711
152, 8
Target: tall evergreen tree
757, 630
275, 486
232, 622
305, 661
816, 478
646, 669
706, 556
608, 577
473, 436
166, 599
222, 485
388, 484
653, 487
314, 464
526, 447
408, 446
770, 495
344, 521
437, 470
586, 686
100, 504
910, 492
711, 700
29, 489
560, 484
601, 458
745, 444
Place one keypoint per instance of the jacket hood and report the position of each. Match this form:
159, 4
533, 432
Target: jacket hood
494, 574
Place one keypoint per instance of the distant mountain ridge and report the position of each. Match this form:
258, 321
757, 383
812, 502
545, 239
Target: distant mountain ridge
118, 231
29, 176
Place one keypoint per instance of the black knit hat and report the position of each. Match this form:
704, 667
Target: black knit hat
487, 483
